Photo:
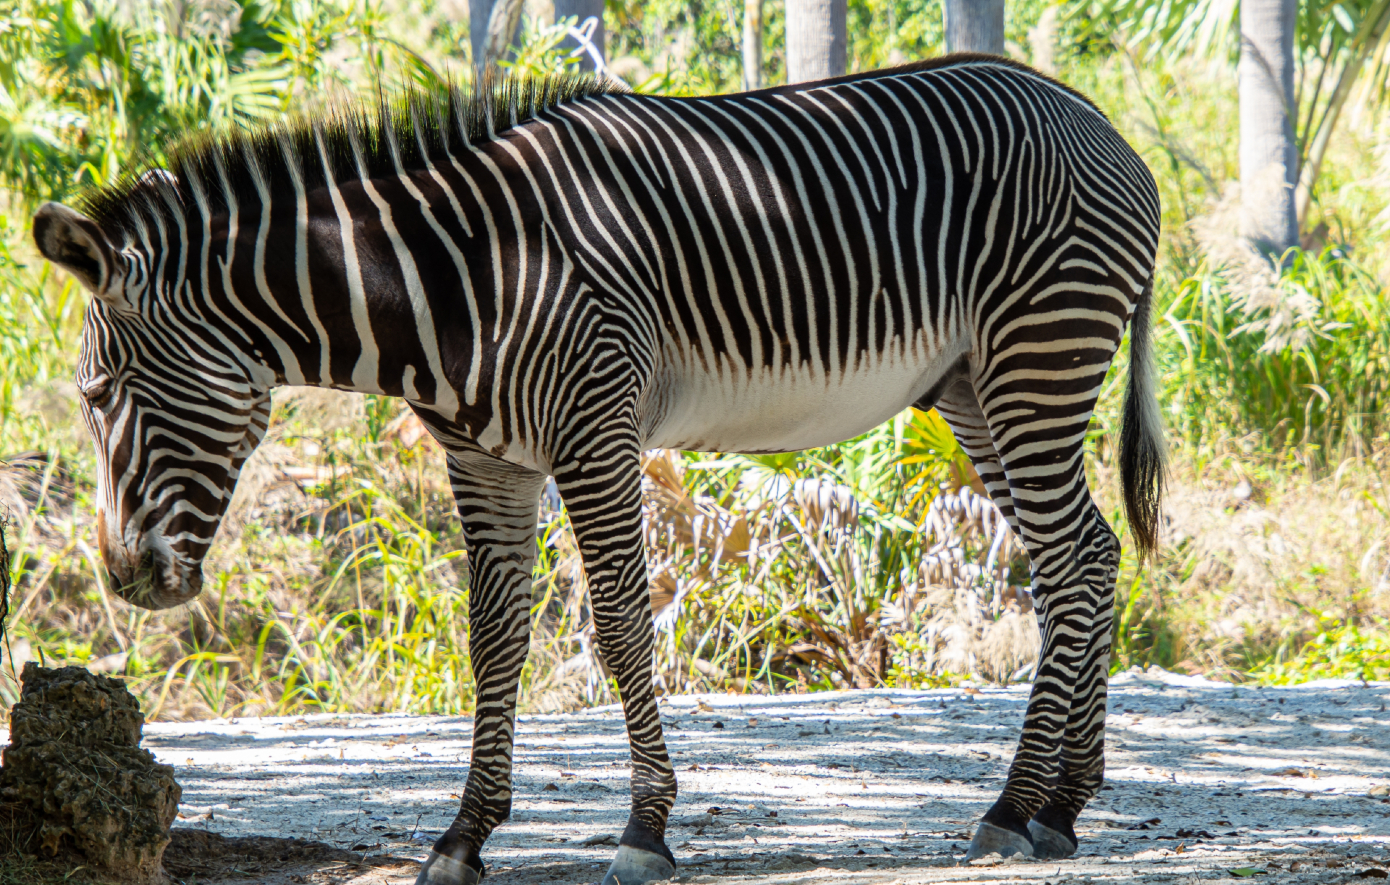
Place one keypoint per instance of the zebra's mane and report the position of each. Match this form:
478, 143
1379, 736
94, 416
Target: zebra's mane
408, 132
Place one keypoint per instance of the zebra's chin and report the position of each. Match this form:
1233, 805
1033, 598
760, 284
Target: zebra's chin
158, 582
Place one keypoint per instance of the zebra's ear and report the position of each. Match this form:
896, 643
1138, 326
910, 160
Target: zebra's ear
75, 243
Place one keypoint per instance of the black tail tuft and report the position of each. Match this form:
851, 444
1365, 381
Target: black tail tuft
4, 592
1141, 435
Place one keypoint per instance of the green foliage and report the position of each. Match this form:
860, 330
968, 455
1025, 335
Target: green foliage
1337, 43
695, 48
891, 32
1340, 650
38, 319
688, 48
1301, 359
1211, 28
538, 53
90, 91
817, 583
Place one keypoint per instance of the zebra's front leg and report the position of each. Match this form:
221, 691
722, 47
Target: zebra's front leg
1083, 749
602, 489
499, 504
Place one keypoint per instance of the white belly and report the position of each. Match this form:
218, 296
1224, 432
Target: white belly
785, 410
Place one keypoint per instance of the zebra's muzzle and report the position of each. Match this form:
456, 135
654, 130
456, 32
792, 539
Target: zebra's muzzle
156, 581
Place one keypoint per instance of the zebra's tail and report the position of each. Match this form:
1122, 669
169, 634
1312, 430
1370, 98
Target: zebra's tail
1141, 434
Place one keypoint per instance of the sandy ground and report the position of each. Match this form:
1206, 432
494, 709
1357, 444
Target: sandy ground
1205, 782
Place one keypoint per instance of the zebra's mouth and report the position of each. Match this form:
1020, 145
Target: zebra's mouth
158, 582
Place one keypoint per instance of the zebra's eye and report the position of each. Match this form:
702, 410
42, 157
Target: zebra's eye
96, 392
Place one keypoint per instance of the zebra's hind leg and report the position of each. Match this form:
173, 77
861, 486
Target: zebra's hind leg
1043, 494
602, 489
961, 411
1067, 596
1083, 749
499, 504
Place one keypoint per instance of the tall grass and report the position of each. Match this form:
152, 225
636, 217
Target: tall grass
340, 582
1295, 360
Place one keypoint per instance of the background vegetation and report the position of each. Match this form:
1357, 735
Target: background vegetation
339, 581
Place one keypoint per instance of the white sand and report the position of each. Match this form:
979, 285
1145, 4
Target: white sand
866, 787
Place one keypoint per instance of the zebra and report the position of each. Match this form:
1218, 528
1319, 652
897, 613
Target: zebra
559, 274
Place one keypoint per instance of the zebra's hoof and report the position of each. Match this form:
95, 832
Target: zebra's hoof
633, 866
1048, 844
441, 869
990, 839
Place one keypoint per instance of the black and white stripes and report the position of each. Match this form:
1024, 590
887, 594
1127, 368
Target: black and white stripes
557, 277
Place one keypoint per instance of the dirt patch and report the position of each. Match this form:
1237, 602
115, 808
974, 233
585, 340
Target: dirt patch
198, 857
76, 785
211, 859
868, 787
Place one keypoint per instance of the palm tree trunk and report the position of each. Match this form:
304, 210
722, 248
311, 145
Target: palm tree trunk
492, 26
975, 26
752, 44
1268, 150
582, 9
478, 12
1042, 40
816, 39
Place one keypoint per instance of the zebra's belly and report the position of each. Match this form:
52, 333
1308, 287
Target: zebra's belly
782, 410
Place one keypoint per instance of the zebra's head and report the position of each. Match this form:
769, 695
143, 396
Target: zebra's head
172, 404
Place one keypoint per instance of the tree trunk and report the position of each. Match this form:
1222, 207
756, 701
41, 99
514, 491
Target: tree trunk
1268, 150
478, 13
752, 44
816, 39
1042, 40
975, 26
582, 9
492, 26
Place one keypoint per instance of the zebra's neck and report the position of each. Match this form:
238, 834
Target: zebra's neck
326, 290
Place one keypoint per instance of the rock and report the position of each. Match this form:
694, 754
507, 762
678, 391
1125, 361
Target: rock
76, 781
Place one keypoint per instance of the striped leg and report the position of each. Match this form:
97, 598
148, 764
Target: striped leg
961, 411
1060, 758
1083, 751
959, 408
602, 489
499, 504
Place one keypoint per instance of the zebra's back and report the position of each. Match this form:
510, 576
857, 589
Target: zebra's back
807, 261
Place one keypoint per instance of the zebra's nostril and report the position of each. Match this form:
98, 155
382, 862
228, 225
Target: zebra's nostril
116, 581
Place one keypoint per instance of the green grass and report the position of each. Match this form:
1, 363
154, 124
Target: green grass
1340, 650
1304, 364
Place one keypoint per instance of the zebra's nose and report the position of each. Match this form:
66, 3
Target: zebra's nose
158, 582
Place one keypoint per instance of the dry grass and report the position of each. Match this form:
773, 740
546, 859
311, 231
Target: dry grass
338, 581
1258, 560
